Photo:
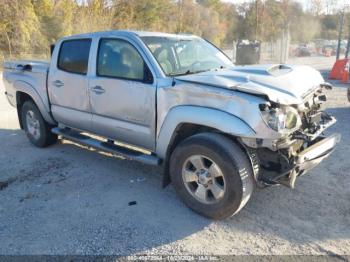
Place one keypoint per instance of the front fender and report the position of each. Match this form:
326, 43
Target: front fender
203, 116
21, 86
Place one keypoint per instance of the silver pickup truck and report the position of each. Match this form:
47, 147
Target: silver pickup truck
218, 130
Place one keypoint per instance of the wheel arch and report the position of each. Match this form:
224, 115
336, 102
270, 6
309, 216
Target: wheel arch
198, 118
24, 92
185, 121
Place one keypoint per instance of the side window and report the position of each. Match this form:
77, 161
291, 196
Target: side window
118, 58
74, 56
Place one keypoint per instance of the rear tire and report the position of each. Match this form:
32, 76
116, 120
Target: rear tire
212, 175
37, 129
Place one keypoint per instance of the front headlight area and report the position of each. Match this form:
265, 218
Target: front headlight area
282, 119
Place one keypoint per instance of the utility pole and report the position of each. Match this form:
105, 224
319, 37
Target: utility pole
256, 19
340, 33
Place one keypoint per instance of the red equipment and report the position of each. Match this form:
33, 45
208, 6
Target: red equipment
345, 78
338, 69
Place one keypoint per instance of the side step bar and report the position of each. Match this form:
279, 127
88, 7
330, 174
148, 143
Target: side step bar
109, 147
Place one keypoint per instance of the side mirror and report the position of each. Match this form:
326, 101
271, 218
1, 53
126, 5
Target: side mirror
52, 47
148, 77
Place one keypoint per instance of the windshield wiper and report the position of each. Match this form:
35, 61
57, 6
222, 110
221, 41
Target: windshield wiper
189, 72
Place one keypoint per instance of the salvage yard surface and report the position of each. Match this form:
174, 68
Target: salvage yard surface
66, 199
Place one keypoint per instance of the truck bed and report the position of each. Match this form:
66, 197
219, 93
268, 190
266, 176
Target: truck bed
37, 66
26, 74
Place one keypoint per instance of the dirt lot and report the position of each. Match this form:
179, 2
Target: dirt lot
69, 200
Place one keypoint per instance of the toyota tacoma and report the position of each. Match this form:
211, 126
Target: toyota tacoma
218, 130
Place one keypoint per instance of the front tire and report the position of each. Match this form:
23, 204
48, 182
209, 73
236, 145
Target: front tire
37, 129
212, 175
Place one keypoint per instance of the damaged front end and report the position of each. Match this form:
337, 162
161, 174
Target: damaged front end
302, 146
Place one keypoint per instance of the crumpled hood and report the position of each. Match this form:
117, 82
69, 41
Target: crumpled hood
284, 84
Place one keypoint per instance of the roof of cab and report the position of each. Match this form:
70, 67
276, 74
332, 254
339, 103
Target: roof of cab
127, 33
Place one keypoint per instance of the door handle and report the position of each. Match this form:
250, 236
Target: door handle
98, 90
58, 83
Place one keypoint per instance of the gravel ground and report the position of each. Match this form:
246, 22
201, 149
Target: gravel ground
66, 199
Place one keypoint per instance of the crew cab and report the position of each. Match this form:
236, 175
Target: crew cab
218, 130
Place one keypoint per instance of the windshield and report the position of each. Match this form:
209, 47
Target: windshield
181, 56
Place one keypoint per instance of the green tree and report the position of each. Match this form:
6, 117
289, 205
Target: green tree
64, 12
187, 17
329, 26
98, 14
48, 28
6, 27
143, 15
28, 26
124, 14
19, 25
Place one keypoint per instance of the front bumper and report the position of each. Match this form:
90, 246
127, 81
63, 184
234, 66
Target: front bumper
315, 153
275, 167
310, 157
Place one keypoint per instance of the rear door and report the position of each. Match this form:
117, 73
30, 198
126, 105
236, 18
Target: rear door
123, 94
68, 84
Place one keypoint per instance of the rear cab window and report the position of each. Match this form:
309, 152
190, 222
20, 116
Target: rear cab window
74, 56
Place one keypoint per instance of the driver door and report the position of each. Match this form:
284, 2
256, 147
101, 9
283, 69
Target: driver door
123, 94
